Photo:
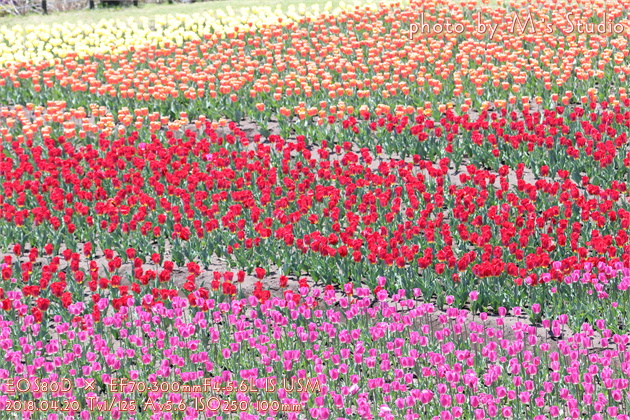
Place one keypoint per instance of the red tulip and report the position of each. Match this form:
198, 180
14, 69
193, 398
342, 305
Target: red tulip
43, 304
240, 276
37, 314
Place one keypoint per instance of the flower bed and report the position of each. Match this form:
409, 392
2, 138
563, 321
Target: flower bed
358, 246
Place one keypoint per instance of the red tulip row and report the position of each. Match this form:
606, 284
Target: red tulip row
328, 210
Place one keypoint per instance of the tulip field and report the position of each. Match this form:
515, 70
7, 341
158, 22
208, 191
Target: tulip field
409, 210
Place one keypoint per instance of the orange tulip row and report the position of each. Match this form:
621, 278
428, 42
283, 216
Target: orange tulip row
356, 55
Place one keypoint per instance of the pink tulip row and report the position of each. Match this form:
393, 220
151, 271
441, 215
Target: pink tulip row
365, 356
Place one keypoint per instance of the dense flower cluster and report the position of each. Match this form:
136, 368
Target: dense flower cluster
427, 227
378, 356
336, 210
46, 43
306, 65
